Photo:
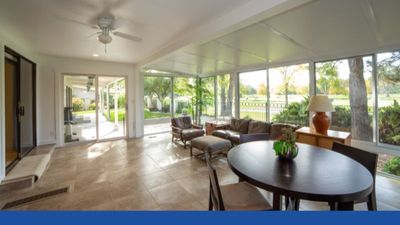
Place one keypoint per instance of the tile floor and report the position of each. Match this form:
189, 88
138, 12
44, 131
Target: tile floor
150, 173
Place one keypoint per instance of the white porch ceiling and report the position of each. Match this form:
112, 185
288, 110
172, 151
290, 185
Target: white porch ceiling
320, 29
57, 27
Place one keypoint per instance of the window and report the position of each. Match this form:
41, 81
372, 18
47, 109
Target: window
289, 94
225, 96
208, 99
253, 95
157, 97
388, 71
349, 84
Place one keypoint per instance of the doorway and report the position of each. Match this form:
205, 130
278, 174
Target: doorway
20, 111
94, 108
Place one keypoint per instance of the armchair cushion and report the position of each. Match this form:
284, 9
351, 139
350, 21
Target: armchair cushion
189, 134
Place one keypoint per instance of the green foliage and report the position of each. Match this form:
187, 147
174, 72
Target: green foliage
77, 104
262, 89
295, 113
121, 101
160, 87
389, 124
341, 118
393, 166
121, 116
286, 147
92, 106
166, 105
328, 81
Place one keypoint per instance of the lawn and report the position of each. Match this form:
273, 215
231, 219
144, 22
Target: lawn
155, 115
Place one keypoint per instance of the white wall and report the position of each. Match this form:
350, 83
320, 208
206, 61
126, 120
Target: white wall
50, 93
26, 51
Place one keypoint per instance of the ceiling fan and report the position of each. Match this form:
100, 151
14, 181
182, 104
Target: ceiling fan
108, 25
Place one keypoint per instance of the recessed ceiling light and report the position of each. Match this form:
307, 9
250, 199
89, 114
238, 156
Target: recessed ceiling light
95, 55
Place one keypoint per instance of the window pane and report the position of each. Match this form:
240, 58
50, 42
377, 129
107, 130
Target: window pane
225, 99
289, 90
184, 91
208, 99
157, 97
253, 95
348, 83
388, 68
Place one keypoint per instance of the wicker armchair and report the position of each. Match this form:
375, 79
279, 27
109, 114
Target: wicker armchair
184, 130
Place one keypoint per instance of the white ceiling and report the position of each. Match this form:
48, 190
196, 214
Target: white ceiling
317, 30
57, 27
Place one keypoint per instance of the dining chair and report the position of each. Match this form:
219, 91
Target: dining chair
244, 138
369, 160
237, 196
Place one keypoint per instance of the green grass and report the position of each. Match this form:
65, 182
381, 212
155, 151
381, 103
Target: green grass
85, 112
155, 115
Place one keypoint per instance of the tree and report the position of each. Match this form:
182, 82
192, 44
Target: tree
158, 86
360, 124
287, 74
226, 86
262, 89
389, 72
328, 78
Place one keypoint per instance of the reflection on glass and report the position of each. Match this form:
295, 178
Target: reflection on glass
225, 96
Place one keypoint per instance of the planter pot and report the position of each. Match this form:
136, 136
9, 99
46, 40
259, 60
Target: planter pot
285, 150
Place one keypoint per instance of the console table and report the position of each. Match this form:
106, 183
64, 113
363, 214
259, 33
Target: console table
309, 136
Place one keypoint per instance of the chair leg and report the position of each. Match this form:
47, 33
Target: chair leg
372, 201
191, 151
184, 144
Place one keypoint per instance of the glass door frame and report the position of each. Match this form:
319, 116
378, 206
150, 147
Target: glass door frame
97, 139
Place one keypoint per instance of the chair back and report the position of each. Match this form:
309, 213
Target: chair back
368, 159
215, 191
183, 122
244, 138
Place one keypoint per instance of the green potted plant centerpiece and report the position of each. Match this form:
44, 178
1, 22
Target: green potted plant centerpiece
285, 147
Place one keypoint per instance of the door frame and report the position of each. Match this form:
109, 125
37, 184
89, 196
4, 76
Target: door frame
97, 139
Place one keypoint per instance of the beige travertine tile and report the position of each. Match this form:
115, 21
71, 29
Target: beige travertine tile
171, 193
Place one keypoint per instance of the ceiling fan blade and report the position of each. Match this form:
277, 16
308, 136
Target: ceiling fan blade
95, 34
127, 36
77, 22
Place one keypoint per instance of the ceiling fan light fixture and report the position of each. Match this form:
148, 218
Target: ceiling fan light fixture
104, 38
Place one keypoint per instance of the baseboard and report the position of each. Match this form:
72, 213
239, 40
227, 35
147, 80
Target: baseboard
46, 142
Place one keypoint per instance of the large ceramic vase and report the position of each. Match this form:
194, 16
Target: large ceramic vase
321, 122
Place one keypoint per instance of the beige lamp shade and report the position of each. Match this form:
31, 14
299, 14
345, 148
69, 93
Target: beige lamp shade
320, 103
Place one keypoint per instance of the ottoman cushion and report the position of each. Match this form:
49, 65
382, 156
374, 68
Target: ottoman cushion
211, 144
191, 133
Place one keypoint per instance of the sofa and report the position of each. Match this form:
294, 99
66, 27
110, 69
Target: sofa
239, 127
184, 130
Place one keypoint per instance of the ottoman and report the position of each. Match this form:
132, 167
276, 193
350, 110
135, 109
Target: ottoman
210, 143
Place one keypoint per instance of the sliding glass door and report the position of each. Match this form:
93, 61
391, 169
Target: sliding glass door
94, 108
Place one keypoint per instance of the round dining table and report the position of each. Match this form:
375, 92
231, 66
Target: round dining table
316, 174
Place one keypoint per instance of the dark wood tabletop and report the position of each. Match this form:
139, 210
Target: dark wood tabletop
316, 174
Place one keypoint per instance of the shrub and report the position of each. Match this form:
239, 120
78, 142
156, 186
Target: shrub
393, 166
77, 104
295, 113
166, 105
389, 124
92, 106
341, 117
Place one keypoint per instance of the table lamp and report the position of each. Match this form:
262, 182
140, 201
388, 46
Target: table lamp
320, 104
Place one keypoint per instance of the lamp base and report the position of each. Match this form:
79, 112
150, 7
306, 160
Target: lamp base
321, 122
